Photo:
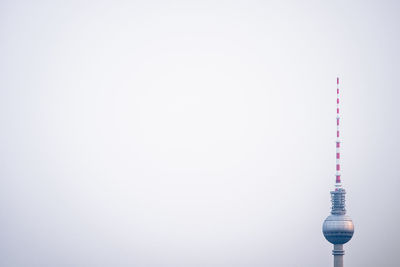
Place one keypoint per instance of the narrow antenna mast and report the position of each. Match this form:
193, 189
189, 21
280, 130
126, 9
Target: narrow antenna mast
338, 181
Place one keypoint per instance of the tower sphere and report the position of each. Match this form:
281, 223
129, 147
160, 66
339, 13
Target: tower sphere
338, 229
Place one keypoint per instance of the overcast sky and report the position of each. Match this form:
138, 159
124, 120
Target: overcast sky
196, 133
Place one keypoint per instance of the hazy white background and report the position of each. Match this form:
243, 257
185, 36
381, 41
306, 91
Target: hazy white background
196, 133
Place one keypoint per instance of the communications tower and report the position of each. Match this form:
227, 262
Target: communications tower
338, 228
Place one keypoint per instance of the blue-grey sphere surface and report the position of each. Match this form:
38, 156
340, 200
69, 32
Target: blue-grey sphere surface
338, 229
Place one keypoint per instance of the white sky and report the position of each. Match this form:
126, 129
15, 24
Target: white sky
196, 133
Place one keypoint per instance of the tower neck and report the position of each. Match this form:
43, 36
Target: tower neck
338, 198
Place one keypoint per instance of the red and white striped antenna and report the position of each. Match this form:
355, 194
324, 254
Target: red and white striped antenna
338, 180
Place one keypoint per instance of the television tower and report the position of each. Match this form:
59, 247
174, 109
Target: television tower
338, 228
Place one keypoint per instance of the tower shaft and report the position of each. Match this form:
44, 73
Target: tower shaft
338, 254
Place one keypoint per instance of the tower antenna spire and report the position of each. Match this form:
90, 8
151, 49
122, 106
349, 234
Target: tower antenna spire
338, 180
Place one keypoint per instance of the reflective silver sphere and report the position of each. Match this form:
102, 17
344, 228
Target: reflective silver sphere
338, 229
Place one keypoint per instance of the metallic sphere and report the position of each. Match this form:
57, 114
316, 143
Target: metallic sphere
338, 229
